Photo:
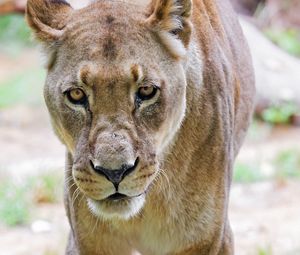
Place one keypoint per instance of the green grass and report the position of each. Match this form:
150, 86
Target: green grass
17, 200
280, 114
46, 187
264, 251
287, 39
14, 205
287, 164
22, 88
246, 173
51, 251
14, 33
258, 130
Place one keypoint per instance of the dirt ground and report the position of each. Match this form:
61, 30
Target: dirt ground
265, 216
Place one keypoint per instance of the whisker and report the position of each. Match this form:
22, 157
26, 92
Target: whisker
95, 225
78, 193
168, 182
74, 196
70, 187
68, 180
82, 198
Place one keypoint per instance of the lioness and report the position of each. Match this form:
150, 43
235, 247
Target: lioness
152, 101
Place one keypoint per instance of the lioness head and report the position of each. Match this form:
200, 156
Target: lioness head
116, 92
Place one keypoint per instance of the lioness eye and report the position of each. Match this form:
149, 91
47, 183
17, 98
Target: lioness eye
146, 93
76, 96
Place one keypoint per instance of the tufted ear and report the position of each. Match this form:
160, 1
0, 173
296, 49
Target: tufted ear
48, 18
171, 20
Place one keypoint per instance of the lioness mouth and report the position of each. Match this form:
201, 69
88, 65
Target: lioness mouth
116, 196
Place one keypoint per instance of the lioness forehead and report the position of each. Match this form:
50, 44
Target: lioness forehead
106, 30
90, 73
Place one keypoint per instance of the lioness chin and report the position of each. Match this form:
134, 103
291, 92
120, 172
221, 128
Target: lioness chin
152, 101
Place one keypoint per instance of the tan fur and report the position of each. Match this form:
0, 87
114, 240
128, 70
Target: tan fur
183, 140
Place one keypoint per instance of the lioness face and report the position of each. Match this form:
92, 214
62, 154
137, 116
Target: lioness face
117, 97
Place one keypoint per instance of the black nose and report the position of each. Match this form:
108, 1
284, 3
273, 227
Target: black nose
115, 175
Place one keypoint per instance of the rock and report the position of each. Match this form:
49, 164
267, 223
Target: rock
284, 13
277, 73
246, 7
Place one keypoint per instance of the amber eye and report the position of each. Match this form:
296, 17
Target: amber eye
147, 92
76, 96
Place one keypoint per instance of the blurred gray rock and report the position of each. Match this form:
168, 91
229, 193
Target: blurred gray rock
277, 73
246, 7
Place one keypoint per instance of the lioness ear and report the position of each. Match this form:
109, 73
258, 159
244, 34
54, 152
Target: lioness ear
47, 18
171, 20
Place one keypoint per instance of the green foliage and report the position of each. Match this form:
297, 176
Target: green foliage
259, 130
246, 173
14, 32
17, 199
280, 114
51, 252
287, 164
288, 39
46, 188
24, 87
264, 251
13, 204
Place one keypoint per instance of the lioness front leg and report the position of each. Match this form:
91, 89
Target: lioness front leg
225, 248
106, 245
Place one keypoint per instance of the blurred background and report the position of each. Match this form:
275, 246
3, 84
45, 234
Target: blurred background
265, 197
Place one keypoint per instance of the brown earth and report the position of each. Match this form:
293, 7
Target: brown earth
264, 215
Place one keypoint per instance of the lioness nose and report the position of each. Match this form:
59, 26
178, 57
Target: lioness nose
117, 175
